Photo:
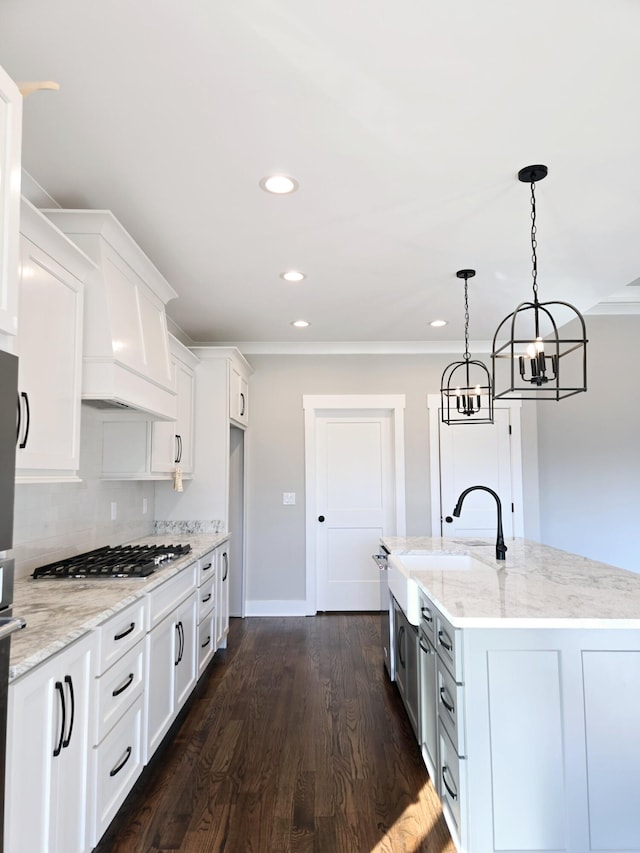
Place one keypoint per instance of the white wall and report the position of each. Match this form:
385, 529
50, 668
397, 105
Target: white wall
57, 520
589, 451
276, 533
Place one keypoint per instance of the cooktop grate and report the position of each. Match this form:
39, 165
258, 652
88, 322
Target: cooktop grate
122, 561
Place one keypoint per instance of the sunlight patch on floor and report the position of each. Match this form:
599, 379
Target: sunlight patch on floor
420, 827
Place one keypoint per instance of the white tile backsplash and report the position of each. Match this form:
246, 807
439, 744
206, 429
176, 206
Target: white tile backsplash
56, 520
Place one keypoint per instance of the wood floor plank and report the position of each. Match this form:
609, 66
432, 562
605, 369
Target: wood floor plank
293, 742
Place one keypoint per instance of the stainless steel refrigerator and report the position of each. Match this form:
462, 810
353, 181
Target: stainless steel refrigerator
8, 623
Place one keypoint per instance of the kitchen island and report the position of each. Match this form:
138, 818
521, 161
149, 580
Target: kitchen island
530, 711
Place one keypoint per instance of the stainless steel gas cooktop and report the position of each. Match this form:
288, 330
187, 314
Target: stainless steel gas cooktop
122, 561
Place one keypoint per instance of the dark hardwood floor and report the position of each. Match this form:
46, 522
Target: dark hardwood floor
293, 741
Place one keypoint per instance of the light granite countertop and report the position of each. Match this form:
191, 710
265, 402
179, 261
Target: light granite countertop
536, 586
57, 612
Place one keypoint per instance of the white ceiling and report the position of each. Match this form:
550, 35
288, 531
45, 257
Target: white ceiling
405, 124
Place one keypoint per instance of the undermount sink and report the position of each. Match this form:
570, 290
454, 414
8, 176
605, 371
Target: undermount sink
439, 562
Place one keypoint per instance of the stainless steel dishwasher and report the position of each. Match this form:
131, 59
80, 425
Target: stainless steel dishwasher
387, 629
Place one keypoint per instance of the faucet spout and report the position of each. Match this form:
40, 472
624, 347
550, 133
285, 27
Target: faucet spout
501, 548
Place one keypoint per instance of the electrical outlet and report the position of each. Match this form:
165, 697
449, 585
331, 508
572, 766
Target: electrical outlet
114, 510
145, 506
289, 498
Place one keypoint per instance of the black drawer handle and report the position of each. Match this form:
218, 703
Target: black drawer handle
426, 648
225, 557
27, 412
401, 636
426, 615
69, 682
206, 642
206, 598
124, 686
118, 767
448, 646
242, 404
125, 633
207, 567
452, 793
450, 708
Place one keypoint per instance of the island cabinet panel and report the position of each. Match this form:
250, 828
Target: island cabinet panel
612, 721
525, 727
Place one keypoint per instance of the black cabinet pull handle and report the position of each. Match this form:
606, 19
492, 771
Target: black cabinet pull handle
69, 682
58, 749
453, 794
206, 642
225, 557
242, 404
118, 767
426, 614
207, 567
180, 437
178, 658
448, 646
321, 518
401, 636
450, 708
425, 648
206, 598
124, 686
27, 412
178, 448
19, 420
125, 633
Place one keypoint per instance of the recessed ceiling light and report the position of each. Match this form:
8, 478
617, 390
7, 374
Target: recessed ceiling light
437, 323
279, 184
292, 275
300, 324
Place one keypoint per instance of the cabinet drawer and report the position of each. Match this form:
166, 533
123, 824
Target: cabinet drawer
451, 707
206, 642
428, 617
448, 645
167, 597
117, 689
206, 598
117, 763
451, 784
120, 634
206, 567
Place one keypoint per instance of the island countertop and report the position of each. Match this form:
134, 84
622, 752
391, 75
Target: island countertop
59, 611
536, 585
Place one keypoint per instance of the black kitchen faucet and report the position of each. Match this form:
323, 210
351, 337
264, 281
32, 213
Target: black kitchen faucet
501, 548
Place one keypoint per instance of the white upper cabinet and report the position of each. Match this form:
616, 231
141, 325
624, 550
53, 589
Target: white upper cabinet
49, 347
172, 441
239, 390
10, 151
126, 352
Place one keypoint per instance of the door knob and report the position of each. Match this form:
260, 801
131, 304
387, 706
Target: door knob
321, 518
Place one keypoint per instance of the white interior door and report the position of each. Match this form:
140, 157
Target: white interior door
477, 455
352, 501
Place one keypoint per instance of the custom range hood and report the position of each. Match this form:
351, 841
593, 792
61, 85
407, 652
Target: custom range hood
126, 364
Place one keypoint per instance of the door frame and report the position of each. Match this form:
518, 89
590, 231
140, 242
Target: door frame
321, 405
434, 404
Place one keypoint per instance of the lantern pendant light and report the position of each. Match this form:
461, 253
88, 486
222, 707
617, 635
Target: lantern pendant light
536, 363
466, 395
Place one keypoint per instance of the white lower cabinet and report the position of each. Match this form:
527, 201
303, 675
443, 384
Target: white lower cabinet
47, 795
222, 597
207, 595
172, 659
116, 757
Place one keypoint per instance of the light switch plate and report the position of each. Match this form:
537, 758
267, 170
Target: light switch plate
289, 498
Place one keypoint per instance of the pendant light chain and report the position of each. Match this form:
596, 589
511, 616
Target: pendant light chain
534, 243
467, 355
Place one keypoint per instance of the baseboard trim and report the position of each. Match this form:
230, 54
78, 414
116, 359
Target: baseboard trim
286, 607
